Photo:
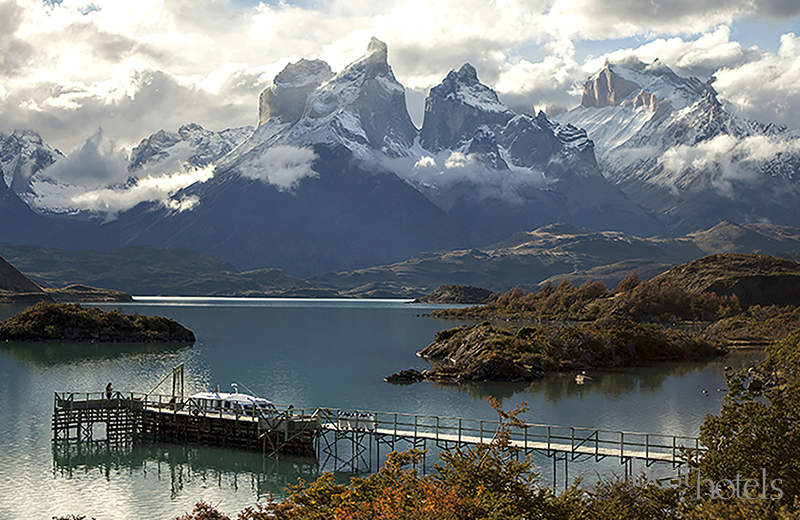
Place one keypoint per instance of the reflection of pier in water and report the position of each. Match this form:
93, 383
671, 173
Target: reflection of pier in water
181, 465
341, 440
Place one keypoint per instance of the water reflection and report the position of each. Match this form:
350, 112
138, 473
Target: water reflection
306, 353
184, 467
555, 387
48, 354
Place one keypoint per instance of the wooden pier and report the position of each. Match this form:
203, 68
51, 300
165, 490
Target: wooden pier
343, 440
125, 417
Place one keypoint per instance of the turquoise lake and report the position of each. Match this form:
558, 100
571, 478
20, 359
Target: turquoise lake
308, 353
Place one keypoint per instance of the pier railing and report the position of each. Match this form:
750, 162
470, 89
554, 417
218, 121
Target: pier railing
445, 431
578, 441
169, 404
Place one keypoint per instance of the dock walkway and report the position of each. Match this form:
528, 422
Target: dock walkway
342, 439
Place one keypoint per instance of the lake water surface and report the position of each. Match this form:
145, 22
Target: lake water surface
309, 353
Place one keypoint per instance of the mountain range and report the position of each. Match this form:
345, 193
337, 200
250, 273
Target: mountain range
673, 148
527, 259
336, 177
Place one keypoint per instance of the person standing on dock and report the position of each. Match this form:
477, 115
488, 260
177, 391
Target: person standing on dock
109, 390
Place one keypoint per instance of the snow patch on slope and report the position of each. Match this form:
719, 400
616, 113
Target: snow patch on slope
607, 127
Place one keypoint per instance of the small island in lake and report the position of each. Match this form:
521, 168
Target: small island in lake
74, 323
690, 312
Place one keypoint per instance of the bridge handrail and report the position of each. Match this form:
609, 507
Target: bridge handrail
441, 427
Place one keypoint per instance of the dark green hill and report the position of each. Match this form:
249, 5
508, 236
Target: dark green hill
16, 287
145, 270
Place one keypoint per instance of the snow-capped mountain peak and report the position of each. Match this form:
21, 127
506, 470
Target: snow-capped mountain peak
285, 100
23, 154
362, 107
191, 145
456, 108
694, 162
634, 83
464, 87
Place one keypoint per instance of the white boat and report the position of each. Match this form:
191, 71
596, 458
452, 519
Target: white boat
234, 403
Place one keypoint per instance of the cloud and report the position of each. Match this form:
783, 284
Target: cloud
130, 106
282, 166
725, 159
767, 88
699, 57
14, 52
700, 156
137, 67
111, 200
553, 84
763, 148
97, 163
436, 175
778, 9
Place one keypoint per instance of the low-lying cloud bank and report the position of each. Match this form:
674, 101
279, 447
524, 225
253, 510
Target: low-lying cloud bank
723, 161
95, 179
112, 200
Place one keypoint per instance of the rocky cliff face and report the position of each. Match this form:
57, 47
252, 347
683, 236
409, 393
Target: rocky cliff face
23, 154
457, 108
674, 149
607, 89
287, 97
363, 108
191, 144
634, 84
517, 172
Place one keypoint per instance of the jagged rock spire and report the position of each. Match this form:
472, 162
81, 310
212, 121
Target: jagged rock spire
286, 98
456, 108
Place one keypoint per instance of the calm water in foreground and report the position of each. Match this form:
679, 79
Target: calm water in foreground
309, 353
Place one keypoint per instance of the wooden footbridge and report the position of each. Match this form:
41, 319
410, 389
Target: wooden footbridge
342, 440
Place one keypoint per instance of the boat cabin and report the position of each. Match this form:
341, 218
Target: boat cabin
235, 403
